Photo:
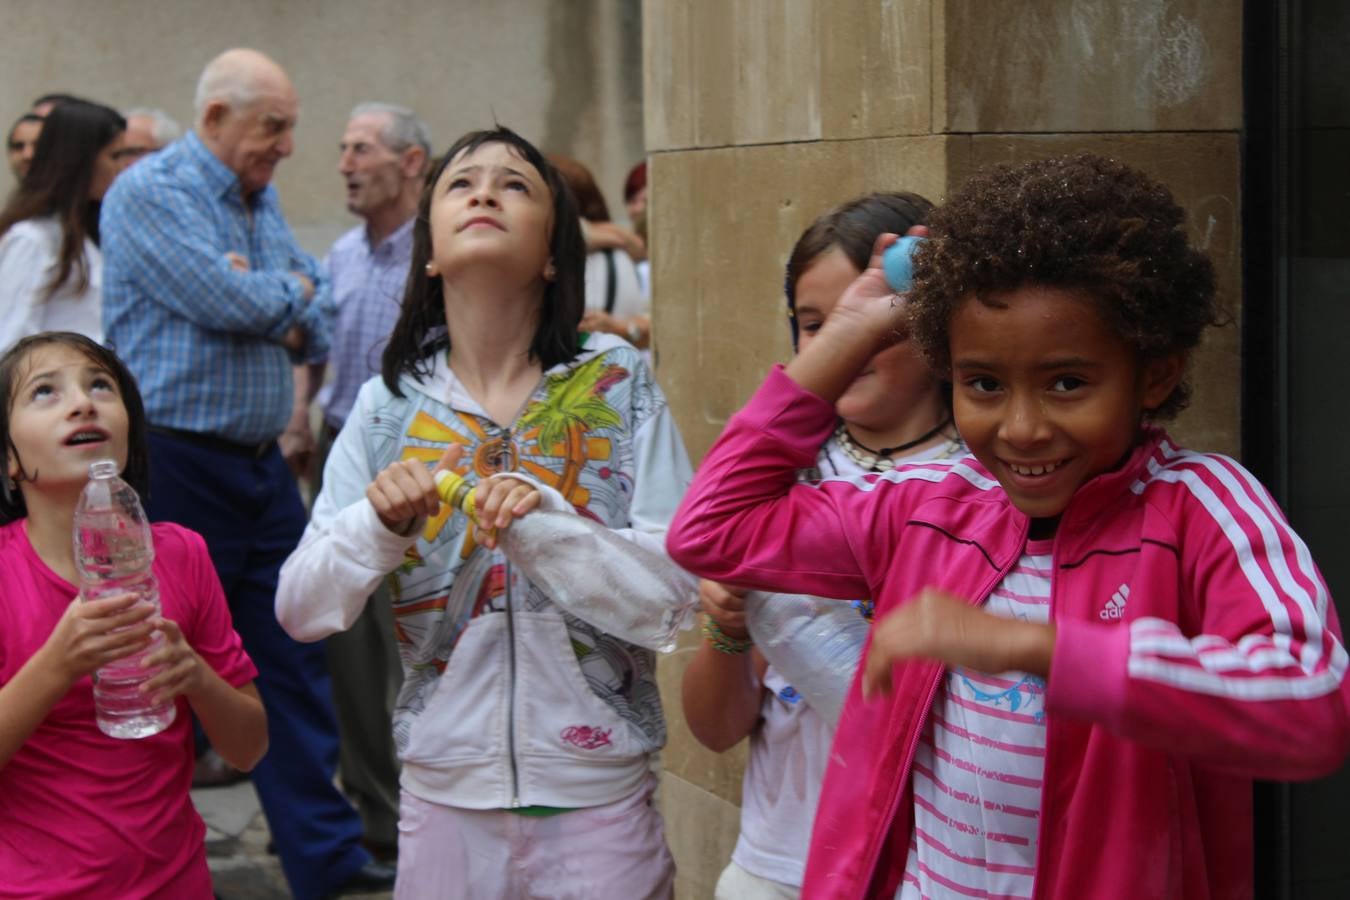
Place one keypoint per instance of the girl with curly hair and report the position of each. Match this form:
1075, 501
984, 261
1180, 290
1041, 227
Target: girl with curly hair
1089, 640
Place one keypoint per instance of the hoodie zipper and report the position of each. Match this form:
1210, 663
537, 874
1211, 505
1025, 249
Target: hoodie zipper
508, 438
511, 696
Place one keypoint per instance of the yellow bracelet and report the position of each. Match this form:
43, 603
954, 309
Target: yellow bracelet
723, 642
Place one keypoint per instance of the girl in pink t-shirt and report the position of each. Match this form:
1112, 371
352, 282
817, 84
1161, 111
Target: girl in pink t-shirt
83, 814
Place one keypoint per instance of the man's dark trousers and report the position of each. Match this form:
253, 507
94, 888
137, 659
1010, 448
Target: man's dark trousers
245, 503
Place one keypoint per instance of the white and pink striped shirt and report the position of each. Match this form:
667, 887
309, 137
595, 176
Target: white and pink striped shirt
979, 765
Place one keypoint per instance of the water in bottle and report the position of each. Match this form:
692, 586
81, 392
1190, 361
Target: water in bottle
614, 584
814, 643
113, 553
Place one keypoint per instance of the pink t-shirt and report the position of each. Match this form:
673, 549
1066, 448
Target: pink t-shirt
83, 814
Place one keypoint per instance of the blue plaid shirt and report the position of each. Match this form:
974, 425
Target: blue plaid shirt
368, 293
201, 338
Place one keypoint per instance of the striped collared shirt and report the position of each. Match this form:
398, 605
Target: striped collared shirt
368, 293
202, 338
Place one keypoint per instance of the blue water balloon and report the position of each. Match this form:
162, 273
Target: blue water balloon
898, 263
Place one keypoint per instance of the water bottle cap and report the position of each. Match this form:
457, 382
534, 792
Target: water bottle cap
103, 468
898, 263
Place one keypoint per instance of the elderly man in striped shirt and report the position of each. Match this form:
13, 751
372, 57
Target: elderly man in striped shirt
210, 301
382, 157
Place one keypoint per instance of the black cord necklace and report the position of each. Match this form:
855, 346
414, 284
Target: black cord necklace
868, 458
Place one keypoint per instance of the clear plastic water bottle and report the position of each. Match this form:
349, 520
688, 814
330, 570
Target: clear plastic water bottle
813, 642
614, 584
113, 553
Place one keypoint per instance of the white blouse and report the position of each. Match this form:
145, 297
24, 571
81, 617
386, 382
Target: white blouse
629, 298
29, 252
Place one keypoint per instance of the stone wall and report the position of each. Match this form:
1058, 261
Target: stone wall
565, 75
762, 114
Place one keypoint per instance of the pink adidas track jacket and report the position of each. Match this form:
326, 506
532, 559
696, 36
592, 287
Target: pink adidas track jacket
1222, 664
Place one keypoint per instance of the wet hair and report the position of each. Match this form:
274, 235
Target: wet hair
1078, 223
590, 201
421, 331
12, 372
852, 227
57, 184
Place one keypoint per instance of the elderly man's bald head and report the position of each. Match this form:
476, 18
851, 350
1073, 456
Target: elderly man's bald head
236, 78
246, 112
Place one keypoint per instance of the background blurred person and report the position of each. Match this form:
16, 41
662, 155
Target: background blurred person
384, 154
148, 130
615, 302
51, 270
211, 301
605, 235
635, 201
22, 143
635, 193
47, 102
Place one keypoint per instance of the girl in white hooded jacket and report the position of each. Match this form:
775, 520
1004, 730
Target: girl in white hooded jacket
525, 733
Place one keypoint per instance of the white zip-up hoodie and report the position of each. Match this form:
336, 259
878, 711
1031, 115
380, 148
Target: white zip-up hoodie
507, 701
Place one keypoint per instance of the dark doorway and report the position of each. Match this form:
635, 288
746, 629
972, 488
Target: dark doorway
1296, 339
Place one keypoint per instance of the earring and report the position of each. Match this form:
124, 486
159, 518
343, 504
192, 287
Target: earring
431, 270
550, 271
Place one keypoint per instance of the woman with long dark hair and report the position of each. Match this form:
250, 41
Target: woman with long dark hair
615, 301
50, 266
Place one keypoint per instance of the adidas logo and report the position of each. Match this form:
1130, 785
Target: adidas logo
1115, 607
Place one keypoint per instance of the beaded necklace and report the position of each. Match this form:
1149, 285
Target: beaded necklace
880, 460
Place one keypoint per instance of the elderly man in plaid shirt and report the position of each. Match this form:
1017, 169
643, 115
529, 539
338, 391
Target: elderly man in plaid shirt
382, 157
210, 301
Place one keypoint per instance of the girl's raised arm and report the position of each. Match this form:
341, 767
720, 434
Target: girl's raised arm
746, 520
868, 317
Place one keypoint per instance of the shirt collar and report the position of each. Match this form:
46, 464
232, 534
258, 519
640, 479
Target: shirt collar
221, 181
399, 239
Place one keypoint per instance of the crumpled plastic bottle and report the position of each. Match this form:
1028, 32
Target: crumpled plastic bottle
614, 584
815, 643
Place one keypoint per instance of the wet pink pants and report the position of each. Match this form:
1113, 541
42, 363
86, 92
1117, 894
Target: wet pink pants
613, 851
